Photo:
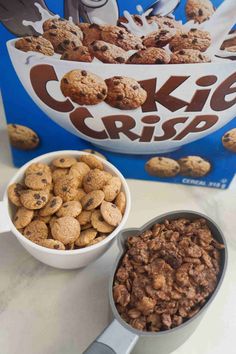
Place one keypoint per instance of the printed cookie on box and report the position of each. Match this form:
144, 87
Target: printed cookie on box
150, 85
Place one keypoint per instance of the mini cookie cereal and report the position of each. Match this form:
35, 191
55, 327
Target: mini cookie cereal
38, 180
63, 212
83, 87
62, 40
36, 230
52, 206
13, 193
96, 153
199, 10
92, 161
229, 140
35, 44
92, 200
108, 53
50, 243
22, 137
71, 208
159, 38
65, 229
193, 39
81, 53
150, 55
86, 237
34, 199
162, 167
55, 23
186, 56
23, 217
125, 93
121, 38
110, 213
112, 188
194, 166
64, 161
99, 223
120, 202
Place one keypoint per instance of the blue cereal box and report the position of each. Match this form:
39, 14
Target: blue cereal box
150, 85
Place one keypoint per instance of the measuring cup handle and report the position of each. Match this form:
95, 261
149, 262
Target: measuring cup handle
115, 339
4, 225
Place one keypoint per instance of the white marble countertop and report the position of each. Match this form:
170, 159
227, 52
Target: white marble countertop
48, 311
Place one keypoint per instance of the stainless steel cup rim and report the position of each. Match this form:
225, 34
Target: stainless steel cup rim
218, 234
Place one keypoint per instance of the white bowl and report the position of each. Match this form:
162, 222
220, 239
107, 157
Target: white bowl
41, 75
62, 259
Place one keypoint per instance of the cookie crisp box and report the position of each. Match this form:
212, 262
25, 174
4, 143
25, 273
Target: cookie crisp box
182, 114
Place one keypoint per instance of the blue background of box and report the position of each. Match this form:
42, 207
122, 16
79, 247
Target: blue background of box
20, 109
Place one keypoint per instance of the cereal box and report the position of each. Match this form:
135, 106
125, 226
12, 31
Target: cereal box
150, 85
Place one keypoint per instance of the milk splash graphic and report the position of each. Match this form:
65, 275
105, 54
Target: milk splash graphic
38, 25
139, 30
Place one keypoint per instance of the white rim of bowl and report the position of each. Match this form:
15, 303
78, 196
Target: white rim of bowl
76, 251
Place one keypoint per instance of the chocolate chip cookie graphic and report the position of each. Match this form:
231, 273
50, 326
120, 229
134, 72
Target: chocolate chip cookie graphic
83, 87
193, 39
108, 53
194, 166
78, 54
92, 32
125, 93
120, 37
35, 44
62, 40
162, 167
55, 23
199, 10
22, 137
150, 55
229, 140
187, 56
159, 38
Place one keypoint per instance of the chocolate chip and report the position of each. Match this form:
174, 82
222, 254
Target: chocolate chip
95, 48
225, 140
120, 36
194, 41
76, 48
119, 97
114, 206
200, 56
64, 189
62, 160
200, 12
66, 41
65, 81
226, 135
104, 48
44, 180
82, 94
53, 203
38, 47
39, 173
89, 202
16, 218
84, 73
100, 95
28, 40
163, 32
56, 247
181, 52
135, 87
158, 61
138, 46
52, 34
73, 43
120, 59
36, 196
39, 202
43, 199
14, 126
193, 30
53, 26
74, 32
104, 91
115, 83
184, 35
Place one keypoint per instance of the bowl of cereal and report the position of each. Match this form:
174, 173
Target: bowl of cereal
124, 92
66, 207
167, 274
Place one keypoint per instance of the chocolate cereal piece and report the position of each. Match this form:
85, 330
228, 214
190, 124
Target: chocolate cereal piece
229, 140
108, 53
166, 274
194, 166
125, 93
83, 87
162, 167
199, 10
35, 44
22, 137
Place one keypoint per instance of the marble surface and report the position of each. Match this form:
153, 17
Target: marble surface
49, 311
